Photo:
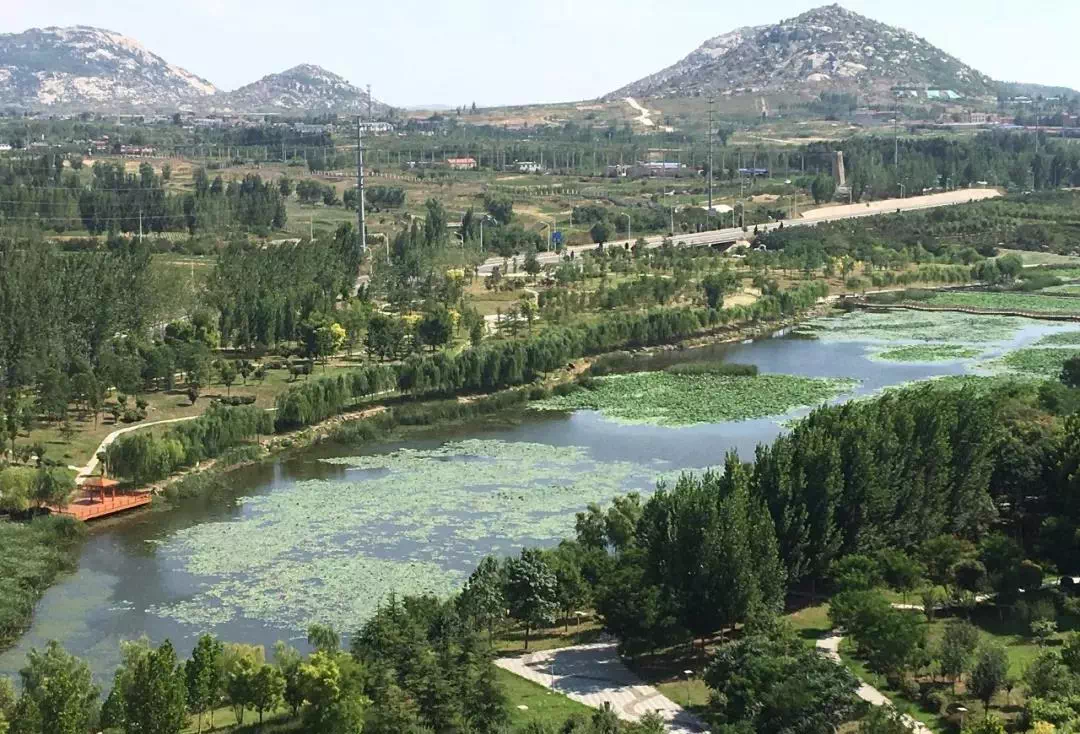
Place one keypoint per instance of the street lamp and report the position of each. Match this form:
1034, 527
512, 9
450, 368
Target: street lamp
901, 191
688, 673
627, 226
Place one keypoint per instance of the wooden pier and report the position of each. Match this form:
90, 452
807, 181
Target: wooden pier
99, 498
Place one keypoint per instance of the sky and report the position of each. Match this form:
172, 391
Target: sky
420, 52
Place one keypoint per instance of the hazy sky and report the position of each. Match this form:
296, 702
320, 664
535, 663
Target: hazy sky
516, 51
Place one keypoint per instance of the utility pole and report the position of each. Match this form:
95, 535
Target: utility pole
361, 218
709, 218
896, 138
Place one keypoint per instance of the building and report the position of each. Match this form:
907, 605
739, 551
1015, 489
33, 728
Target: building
528, 167
4, 147
377, 128
663, 169
461, 164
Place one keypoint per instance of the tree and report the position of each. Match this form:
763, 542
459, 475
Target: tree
939, 554
482, 598
822, 188
855, 573
155, 701
900, 571
267, 690
716, 285
324, 638
989, 674
772, 682
571, 589
884, 720
531, 590
600, 232
202, 676
1070, 372
228, 374
958, 644
435, 327
59, 689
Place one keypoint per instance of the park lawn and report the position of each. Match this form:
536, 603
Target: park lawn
161, 405
225, 721
811, 622
543, 706
512, 641
665, 669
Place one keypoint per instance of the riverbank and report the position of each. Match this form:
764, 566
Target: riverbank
384, 420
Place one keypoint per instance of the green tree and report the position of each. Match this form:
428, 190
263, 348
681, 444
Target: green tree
600, 232
267, 690
59, 690
530, 590
822, 188
155, 699
288, 659
772, 682
958, 644
435, 327
482, 597
901, 572
1070, 372
228, 373
202, 675
324, 638
989, 673
884, 720
716, 285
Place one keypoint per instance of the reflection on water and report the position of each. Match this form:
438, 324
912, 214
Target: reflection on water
134, 565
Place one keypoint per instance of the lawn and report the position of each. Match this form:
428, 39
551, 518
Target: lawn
512, 641
161, 405
541, 705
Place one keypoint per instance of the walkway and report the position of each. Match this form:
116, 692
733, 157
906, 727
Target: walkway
82, 472
830, 647
595, 675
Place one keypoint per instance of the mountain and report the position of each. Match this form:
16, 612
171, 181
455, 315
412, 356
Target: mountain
84, 68
828, 48
303, 88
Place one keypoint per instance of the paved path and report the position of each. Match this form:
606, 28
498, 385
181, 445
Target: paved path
594, 675
830, 647
82, 472
808, 218
643, 114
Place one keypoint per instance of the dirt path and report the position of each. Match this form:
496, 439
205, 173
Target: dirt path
644, 117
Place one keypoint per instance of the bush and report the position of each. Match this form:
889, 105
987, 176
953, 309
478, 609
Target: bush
237, 400
935, 701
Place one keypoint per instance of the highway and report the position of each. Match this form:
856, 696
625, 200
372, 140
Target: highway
815, 216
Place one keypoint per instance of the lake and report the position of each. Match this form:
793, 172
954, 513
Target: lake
325, 533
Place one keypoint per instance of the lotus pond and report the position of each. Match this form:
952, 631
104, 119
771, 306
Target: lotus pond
324, 533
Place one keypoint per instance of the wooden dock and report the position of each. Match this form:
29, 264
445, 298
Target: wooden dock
89, 508
100, 498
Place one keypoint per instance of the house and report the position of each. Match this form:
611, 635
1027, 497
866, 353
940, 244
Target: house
529, 167
461, 164
377, 128
666, 169
4, 147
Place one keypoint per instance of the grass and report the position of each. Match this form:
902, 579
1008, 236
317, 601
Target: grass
543, 706
933, 721
1027, 302
927, 353
512, 641
162, 405
667, 399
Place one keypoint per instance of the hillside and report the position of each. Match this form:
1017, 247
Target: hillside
302, 88
828, 48
91, 68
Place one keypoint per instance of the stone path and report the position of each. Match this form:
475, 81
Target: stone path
594, 675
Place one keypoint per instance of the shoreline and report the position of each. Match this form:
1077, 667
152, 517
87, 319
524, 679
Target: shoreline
207, 476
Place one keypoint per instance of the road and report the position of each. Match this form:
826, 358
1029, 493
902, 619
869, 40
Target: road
811, 217
595, 675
